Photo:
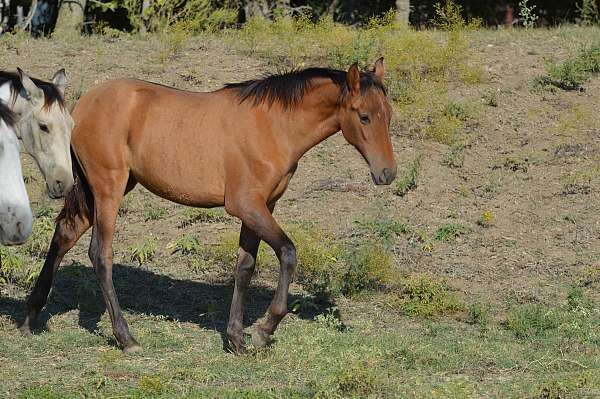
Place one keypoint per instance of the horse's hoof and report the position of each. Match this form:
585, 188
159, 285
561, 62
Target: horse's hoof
260, 339
133, 348
25, 330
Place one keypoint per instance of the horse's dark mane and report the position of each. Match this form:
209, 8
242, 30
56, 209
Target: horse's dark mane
7, 115
51, 92
289, 88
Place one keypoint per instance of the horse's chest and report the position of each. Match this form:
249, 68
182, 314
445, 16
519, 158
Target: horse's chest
283, 184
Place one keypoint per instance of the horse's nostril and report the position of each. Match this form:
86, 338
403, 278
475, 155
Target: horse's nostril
59, 185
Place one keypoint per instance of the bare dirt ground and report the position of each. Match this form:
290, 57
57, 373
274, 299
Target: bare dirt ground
532, 160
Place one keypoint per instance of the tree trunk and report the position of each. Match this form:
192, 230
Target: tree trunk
257, 8
71, 16
402, 11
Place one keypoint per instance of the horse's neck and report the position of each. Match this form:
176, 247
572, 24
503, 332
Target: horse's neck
318, 114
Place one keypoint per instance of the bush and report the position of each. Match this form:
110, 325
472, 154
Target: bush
531, 320
424, 295
575, 71
408, 181
369, 267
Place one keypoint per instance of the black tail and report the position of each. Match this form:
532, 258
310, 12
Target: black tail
79, 202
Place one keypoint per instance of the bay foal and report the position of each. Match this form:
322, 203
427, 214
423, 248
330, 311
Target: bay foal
237, 147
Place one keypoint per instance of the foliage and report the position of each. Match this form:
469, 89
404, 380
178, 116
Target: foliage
575, 71
588, 12
527, 14
143, 252
369, 267
408, 181
200, 215
531, 320
188, 244
449, 232
424, 295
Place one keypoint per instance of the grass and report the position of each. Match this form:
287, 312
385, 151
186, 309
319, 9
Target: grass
200, 215
449, 232
574, 72
408, 180
532, 320
153, 211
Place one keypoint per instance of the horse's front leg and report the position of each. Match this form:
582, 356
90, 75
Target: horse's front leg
256, 215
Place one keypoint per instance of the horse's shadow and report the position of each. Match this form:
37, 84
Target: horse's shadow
143, 291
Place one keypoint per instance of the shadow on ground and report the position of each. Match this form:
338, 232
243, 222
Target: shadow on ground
143, 291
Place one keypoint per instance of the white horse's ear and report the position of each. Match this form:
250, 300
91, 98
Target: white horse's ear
60, 81
34, 94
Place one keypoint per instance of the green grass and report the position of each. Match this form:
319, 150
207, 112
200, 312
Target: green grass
424, 296
449, 232
408, 180
574, 72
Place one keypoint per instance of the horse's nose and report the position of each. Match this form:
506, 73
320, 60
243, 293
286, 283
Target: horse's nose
389, 175
56, 189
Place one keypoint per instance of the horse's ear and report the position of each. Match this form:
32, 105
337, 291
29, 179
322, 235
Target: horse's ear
34, 94
378, 69
60, 81
353, 80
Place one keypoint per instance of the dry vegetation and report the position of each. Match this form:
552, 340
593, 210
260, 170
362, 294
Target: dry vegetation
476, 275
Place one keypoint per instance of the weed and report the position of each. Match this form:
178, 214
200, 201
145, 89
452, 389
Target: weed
517, 164
424, 295
588, 12
188, 244
41, 234
589, 277
478, 314
357, 382
201, 215
490, 98
449, 232
151, 384
575, 71
125, 206
320, 268
331, 319
527, 14
199, 264
385, 229
486, 219
143, 252
44, 211
369, 266
577, 301
455, 158
408, 181
153, 211
531, 320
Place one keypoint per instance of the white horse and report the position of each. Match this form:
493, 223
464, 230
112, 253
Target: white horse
15, 213
43, 125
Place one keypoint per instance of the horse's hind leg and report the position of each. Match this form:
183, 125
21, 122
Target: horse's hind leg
101, 254
71, 224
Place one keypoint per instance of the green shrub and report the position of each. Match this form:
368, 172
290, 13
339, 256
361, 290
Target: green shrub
575, 71
449, 232
188, 244
531, 320
201, 215
154, 212
41, 234
369, 267
408, 181
385, 229
143, 252
478, 314
424, 295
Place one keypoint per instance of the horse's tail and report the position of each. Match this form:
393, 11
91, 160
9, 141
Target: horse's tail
79, 202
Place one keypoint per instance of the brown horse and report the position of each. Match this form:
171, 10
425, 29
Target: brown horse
237, 147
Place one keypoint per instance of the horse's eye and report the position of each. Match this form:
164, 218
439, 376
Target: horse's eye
364, 119
44, 128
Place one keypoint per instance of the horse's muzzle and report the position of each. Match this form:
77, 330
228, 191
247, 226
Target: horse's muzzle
385, 177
